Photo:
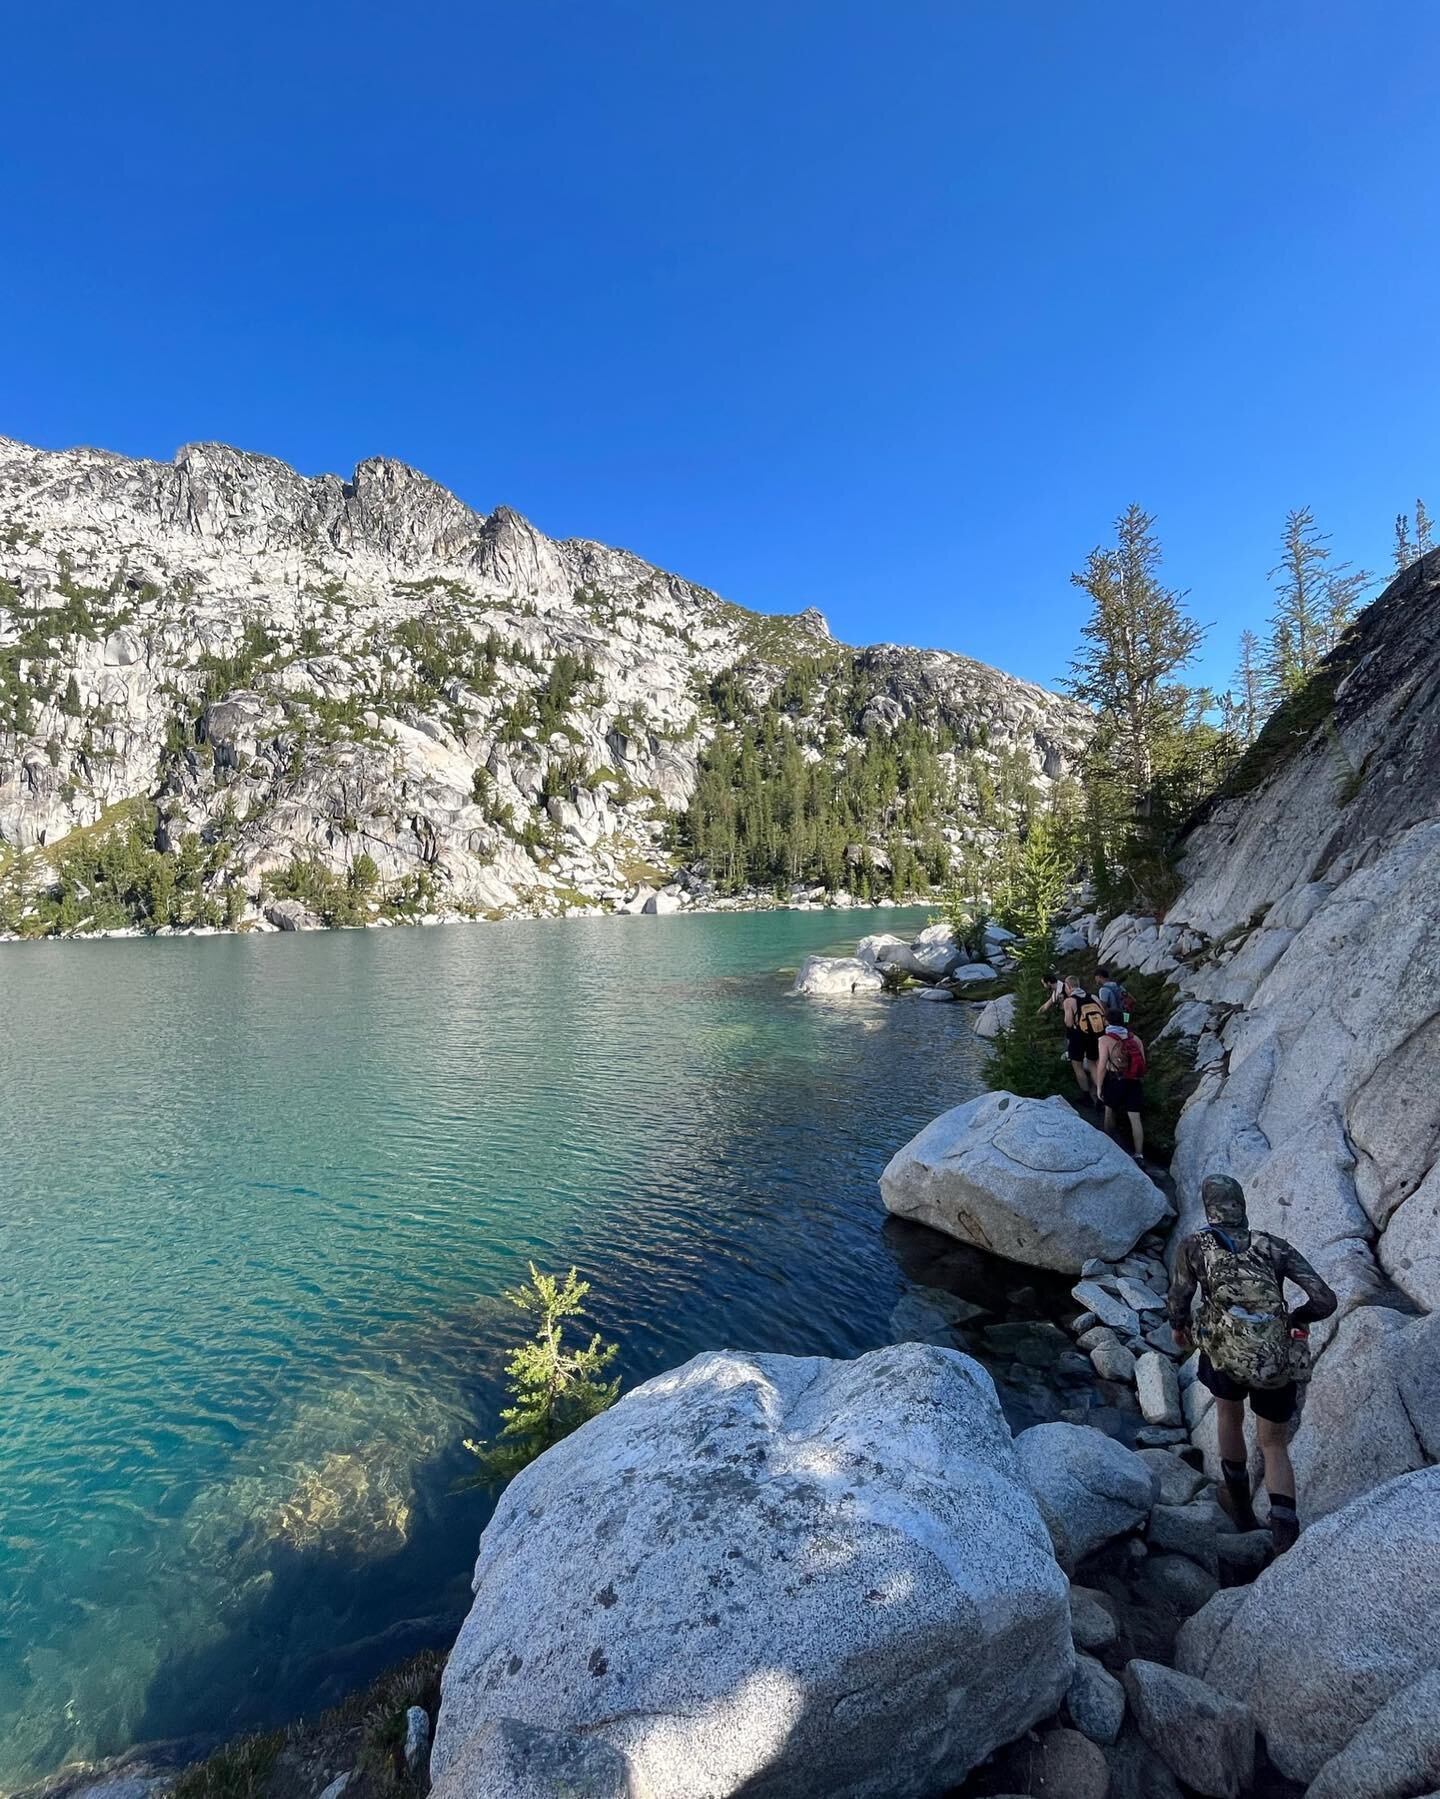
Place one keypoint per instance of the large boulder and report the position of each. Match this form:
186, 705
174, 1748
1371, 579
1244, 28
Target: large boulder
1204, 1737
881, 950
1089, 1488
1395, 1754
769, 1575
1372, 1410
1335, 1630
837, 977
1027, 1179
996, 1015
935, 952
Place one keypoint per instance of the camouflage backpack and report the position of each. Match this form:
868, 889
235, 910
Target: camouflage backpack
1244, 1326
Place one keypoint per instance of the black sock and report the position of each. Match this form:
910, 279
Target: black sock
1237, 1484
1281, 1503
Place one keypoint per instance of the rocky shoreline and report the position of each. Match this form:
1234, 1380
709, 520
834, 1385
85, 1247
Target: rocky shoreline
668, 901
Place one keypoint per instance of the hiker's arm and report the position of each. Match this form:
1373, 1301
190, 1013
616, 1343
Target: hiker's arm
1182, 1291
1320, 1300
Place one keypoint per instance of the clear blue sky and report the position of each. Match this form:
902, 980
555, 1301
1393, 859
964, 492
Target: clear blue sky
887, 310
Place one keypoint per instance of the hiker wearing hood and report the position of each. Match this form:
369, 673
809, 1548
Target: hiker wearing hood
1251, 1345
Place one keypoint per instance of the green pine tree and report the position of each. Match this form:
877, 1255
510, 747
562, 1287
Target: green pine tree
555, 1388
1316, 600
1404, 549
1024, 1058
1143, 756
1249, 678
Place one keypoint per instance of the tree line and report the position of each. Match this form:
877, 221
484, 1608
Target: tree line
1162, 744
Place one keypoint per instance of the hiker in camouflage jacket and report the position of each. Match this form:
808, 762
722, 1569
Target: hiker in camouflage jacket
1252, 1346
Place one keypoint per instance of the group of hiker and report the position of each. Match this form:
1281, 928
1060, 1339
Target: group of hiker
1105, 1053
1253, 1346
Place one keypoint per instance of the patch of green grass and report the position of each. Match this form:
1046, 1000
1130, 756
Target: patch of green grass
239, 1770
382, 1729
1287, 729
364, 1734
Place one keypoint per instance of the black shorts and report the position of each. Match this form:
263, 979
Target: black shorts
1080, 1046
1277, 1404
1122, 1094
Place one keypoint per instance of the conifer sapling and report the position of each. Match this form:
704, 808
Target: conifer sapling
555, 1388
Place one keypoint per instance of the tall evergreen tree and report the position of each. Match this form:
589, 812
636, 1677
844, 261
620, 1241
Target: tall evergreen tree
1140, 769
1315, 602
1023, 1058
1423, 541
1404, 550
1137, 638
1249, 681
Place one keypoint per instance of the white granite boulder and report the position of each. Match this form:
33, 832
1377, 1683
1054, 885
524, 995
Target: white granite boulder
935, 951
1027, 1179
995, 1015
769, 1574
1089, 1488
1372, 1410
837, 977
881, 950
1334, 1631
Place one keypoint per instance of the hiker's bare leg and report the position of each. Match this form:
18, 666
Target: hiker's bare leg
1274, 1442
1137, 1131
1109, 1121
1082, 1080
1230, 1429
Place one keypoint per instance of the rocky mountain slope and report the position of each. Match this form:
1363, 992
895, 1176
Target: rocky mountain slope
351, 697
1307, 942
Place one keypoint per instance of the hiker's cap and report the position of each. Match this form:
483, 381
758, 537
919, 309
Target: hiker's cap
1223, 1199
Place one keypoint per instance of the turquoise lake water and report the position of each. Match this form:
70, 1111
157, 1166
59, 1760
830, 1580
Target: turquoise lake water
259, 1198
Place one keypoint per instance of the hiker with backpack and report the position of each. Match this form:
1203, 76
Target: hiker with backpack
1113, 995
1119, 1070
1084, 1027
1251, 1345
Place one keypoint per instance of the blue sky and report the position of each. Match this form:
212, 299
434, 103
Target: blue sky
885, 310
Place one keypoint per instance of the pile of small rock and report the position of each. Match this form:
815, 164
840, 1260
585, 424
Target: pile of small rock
1124, 1332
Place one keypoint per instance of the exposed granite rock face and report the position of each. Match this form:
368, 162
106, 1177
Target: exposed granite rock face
331, 669
769, 1575
1307, 942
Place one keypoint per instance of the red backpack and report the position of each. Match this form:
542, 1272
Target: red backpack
1132, 1060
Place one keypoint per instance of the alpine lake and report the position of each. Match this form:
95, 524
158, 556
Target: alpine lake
260, 1201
